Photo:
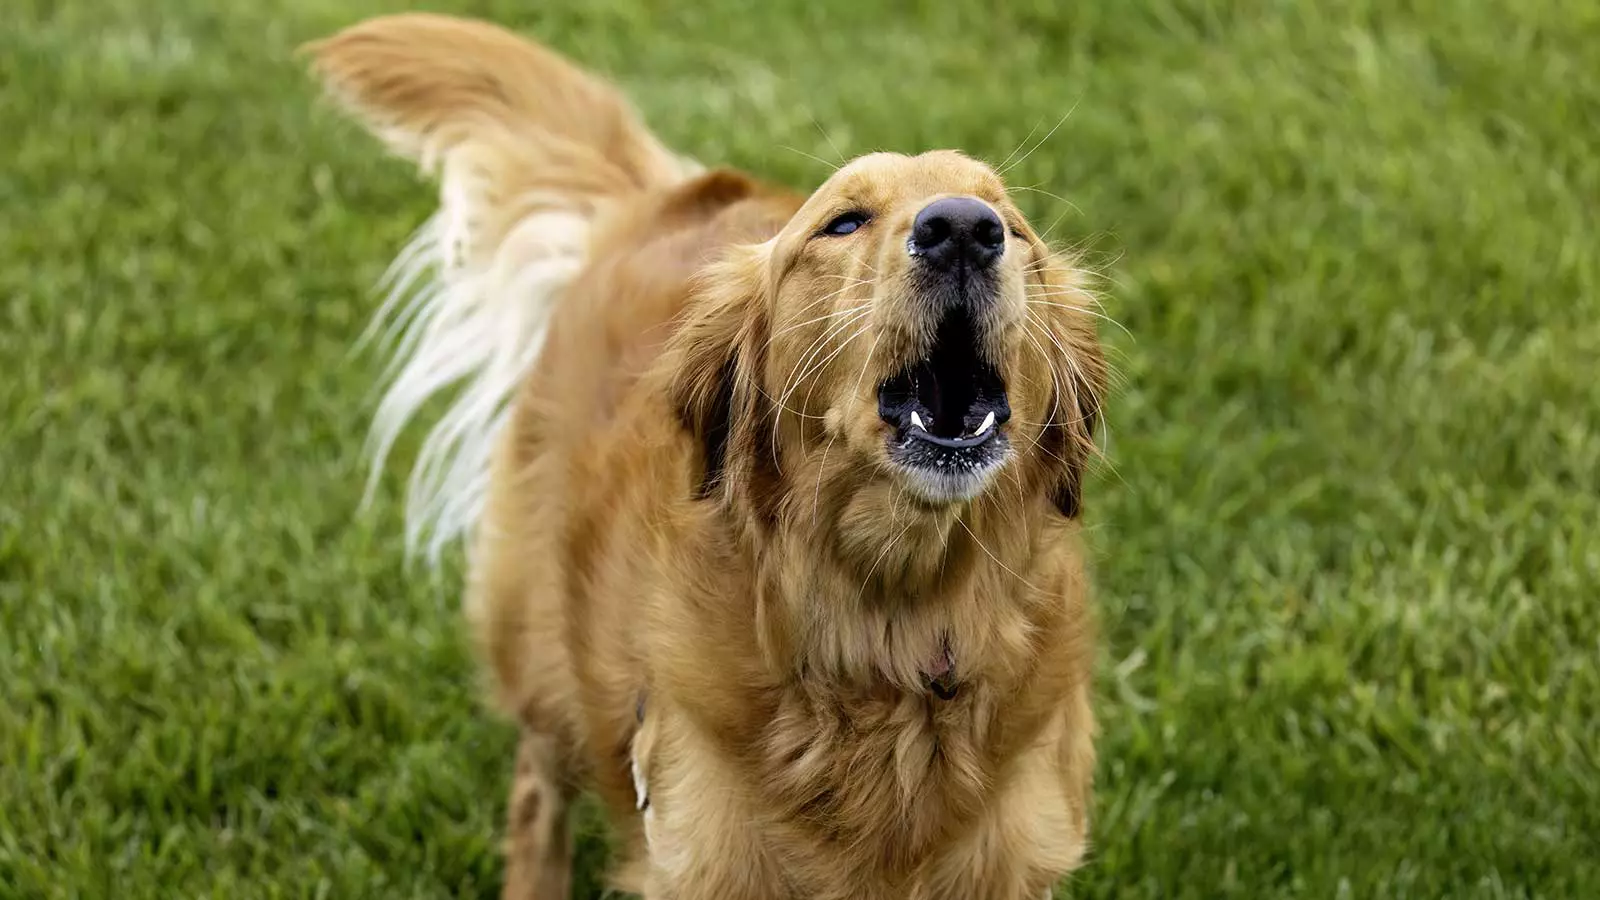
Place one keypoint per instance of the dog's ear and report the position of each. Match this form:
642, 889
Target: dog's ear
1077, 414
717, 358
1082, 378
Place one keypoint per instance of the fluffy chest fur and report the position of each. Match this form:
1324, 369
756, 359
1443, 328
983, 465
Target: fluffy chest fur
822, 719
887, 776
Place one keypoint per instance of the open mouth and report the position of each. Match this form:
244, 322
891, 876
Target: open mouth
947, 408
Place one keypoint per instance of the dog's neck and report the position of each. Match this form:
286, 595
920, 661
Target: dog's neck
929, 608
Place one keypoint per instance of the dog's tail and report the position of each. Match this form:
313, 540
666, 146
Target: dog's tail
528, 151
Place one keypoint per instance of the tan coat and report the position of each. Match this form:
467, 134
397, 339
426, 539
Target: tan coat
701, 580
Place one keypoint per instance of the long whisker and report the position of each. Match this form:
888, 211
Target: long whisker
1059, 254
829, 138
831, 166
1072, 363
1081, 380
1033, 301
822, 318
820, 365
1055, 400
1067, 357
1076, 289
816, 500
1042, 141
784, 409
779, 404
996, 559
827, 333
794, 380
894, 515
1053, 196
1020, 144
825, 298
1061, 216
824, 363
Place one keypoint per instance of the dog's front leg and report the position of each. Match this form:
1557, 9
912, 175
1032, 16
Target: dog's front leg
538, 843
1033, 835
704, 841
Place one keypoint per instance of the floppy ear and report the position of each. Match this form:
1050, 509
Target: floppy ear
1081, 381
718, 356
1081, 401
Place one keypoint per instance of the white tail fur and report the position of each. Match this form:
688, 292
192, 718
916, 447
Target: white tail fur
528, 150
476, 327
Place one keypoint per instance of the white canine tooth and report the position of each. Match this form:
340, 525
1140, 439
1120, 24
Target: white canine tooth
917, 421
988, 422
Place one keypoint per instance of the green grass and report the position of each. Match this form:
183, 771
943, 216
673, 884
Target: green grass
1349, 556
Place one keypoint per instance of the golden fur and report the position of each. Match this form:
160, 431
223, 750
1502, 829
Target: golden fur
699, 582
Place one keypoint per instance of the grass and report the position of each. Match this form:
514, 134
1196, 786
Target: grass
1349, 558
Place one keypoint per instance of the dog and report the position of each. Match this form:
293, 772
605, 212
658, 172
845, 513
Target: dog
770, 501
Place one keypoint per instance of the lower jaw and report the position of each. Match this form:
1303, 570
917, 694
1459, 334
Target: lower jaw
942, 488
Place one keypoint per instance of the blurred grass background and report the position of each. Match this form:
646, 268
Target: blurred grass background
1349, 555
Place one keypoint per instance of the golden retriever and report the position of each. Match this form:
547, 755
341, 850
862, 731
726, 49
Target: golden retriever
772, 499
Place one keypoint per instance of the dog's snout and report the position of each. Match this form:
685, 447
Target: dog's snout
958, 231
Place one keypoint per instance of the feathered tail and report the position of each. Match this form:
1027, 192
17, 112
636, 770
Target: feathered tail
528, 150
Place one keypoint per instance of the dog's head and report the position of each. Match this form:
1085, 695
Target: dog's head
906, 342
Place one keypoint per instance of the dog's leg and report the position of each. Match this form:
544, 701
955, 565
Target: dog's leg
538, 843
1035, 832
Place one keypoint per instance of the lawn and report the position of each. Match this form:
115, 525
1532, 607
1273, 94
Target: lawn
1348, 551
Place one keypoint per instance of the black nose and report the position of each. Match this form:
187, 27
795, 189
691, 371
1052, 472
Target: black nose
958, 231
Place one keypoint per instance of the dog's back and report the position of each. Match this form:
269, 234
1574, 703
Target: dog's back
566, 245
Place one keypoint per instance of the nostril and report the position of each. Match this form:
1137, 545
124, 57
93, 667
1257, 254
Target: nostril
930, 232
989, 232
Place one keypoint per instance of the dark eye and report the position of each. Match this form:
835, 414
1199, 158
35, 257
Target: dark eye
845, 223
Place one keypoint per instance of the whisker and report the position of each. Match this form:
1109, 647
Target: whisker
824, 299
784, 409
894, 515
1072, 363
1088, 312
1053, 196
822, 318
816, 501
1016, 478
1082, 414
779, 404
1055, 400
1020, 144
795, 381
996, 559
829, 138
827, 333
1070, 360
1042, 141
819, 366
1051, 229
843, 344
831, 166
1055, 397
1070, 255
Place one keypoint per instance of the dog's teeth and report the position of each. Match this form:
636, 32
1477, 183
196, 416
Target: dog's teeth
917, 421
988, 422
